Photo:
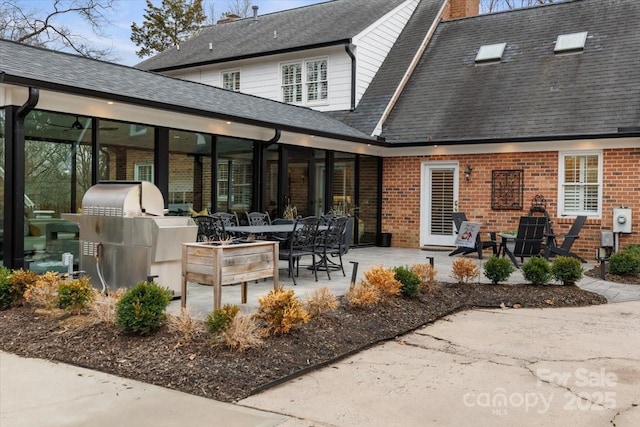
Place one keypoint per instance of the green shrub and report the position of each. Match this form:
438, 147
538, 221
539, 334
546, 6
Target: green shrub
220, 319
567, 270
410, 281
625, 262
6, 296
75, 294
498, 269
142, 308
536, 271
634, 249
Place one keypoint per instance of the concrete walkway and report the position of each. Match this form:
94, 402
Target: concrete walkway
552, 367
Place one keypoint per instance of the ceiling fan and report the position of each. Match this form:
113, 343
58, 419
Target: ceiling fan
77, 125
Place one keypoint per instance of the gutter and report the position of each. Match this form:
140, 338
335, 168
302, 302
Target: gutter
347, 47
377, 131
247, 56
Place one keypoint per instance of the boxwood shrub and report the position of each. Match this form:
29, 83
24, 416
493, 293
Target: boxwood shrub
141, 309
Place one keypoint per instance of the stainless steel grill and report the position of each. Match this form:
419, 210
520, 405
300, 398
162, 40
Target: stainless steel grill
125, 237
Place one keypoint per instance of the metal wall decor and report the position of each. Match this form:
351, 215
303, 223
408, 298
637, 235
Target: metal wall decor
506, 189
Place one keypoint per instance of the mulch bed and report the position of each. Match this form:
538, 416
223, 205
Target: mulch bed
203, 369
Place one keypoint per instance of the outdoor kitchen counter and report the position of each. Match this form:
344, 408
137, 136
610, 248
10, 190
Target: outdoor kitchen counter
223, 264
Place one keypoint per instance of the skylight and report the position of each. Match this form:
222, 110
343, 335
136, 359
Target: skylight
490, 52
573, 42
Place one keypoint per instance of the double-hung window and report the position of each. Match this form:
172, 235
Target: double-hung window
143, 172
231, 80
305, 82
580, 179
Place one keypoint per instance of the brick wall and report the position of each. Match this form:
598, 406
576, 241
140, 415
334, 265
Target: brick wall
461, 8
401, 194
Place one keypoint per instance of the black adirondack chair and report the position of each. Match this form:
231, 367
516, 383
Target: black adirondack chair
458, 219
528, 241
567, 240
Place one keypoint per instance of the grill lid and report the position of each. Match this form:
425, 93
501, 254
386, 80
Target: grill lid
123, 199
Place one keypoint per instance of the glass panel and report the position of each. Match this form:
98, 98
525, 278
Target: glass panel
57, 174
235, 175
186, 172
292, 83
122, 147
442, 201
368, 200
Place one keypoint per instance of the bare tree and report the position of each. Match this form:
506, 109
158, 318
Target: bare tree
242, 8
210, 11
488, 6
21, 22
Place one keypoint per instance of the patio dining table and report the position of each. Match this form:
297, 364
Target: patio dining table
260, 229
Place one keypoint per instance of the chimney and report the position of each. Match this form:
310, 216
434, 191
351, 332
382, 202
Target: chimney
229, 18
255, 13
461, 9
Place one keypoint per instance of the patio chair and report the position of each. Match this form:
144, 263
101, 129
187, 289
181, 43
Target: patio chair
210, 228
331, 243
258, 218
528, 241
567, 240
229, 219
301, 242
458, 219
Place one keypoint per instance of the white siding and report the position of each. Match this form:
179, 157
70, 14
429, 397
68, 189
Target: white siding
373, 44
261, 76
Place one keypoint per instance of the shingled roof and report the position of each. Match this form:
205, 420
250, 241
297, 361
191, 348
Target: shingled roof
532, 92
379, 93
321, 24
62, 72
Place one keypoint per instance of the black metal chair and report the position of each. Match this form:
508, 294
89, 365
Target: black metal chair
528, 241
301, 242
228, 219
210, 228
258, 218
332, 243
458, 219
564, 249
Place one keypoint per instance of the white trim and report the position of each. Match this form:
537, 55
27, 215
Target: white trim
561, 155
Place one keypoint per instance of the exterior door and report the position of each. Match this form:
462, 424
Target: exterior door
439, 199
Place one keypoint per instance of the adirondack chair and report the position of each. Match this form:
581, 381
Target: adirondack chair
458, 219
567, 240
528, 241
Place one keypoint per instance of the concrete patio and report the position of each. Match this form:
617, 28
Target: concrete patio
200, 297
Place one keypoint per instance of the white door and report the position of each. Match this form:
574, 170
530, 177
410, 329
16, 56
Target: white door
438, 200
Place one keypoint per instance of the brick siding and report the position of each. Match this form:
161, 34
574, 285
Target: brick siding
401, 194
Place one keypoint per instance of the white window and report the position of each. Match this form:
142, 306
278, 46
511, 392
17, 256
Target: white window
317, 80
143, 172
580, 178
231, 80
305, 82
292, 83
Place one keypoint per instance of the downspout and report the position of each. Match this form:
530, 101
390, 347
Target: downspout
347, 47
16, 174
407, 75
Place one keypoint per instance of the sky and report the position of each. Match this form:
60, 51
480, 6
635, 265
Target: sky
117, 35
